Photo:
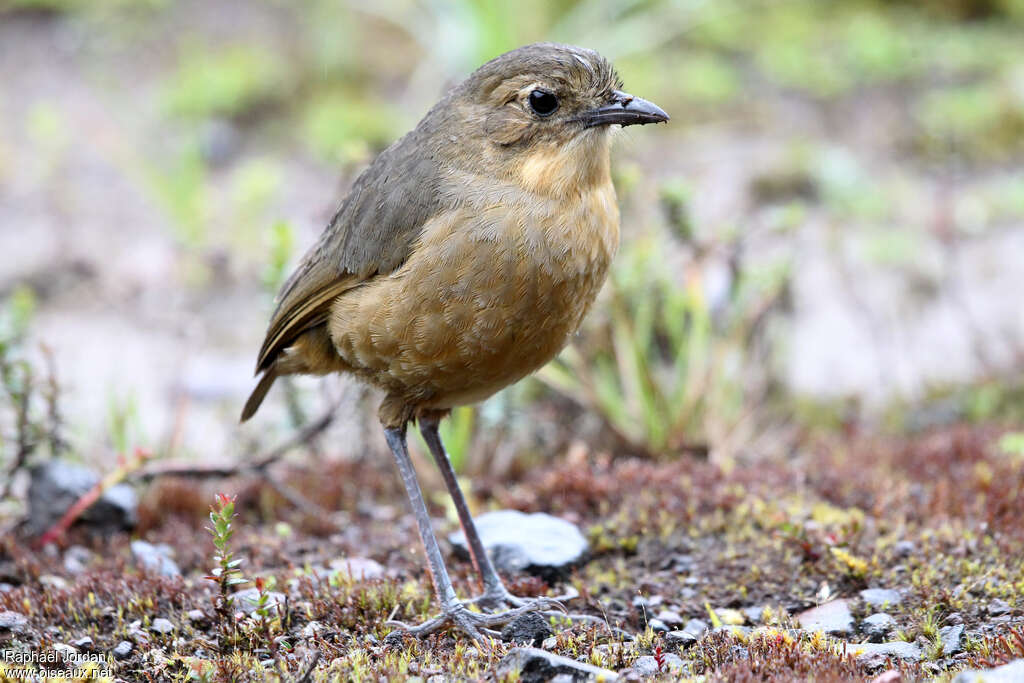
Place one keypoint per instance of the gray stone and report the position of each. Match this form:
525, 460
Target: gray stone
881, 597
658, 626
531, 665
904, 549
734, 630
83, 643
122, 650
539, 543
76, 559
1007, 673
754, 615
688, 635
647, 665
874, 655
833, 618
527, 629
952, 639
155, 558
161, 626
670, 617
247, 600
196, 616
877, 626
13, 622
56, 484
998, 607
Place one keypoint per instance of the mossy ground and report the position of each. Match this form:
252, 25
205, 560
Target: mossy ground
780, 535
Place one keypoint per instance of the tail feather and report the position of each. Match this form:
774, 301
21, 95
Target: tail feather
259, 393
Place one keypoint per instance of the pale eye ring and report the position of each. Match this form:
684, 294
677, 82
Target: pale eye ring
543, 103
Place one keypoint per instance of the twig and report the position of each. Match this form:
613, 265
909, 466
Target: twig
258, 465
308, 673
91, 496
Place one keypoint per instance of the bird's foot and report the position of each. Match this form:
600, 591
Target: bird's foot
497, 597
477, 625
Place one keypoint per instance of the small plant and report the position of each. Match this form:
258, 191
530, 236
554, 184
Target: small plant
227, 573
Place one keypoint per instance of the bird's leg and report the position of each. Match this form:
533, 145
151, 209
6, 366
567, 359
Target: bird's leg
453, 612
495, 593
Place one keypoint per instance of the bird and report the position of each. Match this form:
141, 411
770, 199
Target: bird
464, 258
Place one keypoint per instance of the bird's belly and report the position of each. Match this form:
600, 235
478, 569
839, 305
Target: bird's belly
486, 298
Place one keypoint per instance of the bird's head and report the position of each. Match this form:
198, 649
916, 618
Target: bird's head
542, 114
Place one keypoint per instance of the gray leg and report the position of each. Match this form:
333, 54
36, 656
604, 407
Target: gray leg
453, 613
494, 590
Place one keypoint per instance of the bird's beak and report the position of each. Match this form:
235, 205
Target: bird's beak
625, 110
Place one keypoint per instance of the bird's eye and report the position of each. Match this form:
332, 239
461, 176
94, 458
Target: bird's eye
543, 103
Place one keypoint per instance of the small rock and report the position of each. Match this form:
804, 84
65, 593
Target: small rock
658, 626
754, 615
531, 665
689, 634
76, 559
881, 597
904, 549
648, 665
549, 643
539, 543
954, 618
670, 617
1007, 673
527, 629
83, 643
952, 639
998, 607
357, 568
247, 600
877, 626
315, 628
66, 652
161, 626
833, 618
56, 484
122, 650
874, 655
196, 616
155, 558
13, 622
647, 604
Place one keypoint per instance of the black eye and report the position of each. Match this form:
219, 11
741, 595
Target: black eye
543, 103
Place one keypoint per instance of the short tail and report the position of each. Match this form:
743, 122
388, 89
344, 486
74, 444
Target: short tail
259, 393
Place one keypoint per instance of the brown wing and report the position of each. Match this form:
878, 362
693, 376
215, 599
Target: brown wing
371, 234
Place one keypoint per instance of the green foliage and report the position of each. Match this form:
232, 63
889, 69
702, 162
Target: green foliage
457, 434
671, 371
230, 82
347, 127
226, 572
281, 237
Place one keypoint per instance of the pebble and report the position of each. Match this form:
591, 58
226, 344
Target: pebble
998, 607
83, 643
952, 639
196, 616
315, 628
155, 558
874, 655
161, 626
13, 622
881, 597
877, 626
688, 635
539, 544
531, 665
670, 617
904, 549
527, 629
754, 615
1007, 673
647, 665
658, 626
833, 618
122, 650
76, 559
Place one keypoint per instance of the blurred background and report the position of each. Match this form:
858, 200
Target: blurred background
829, 235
